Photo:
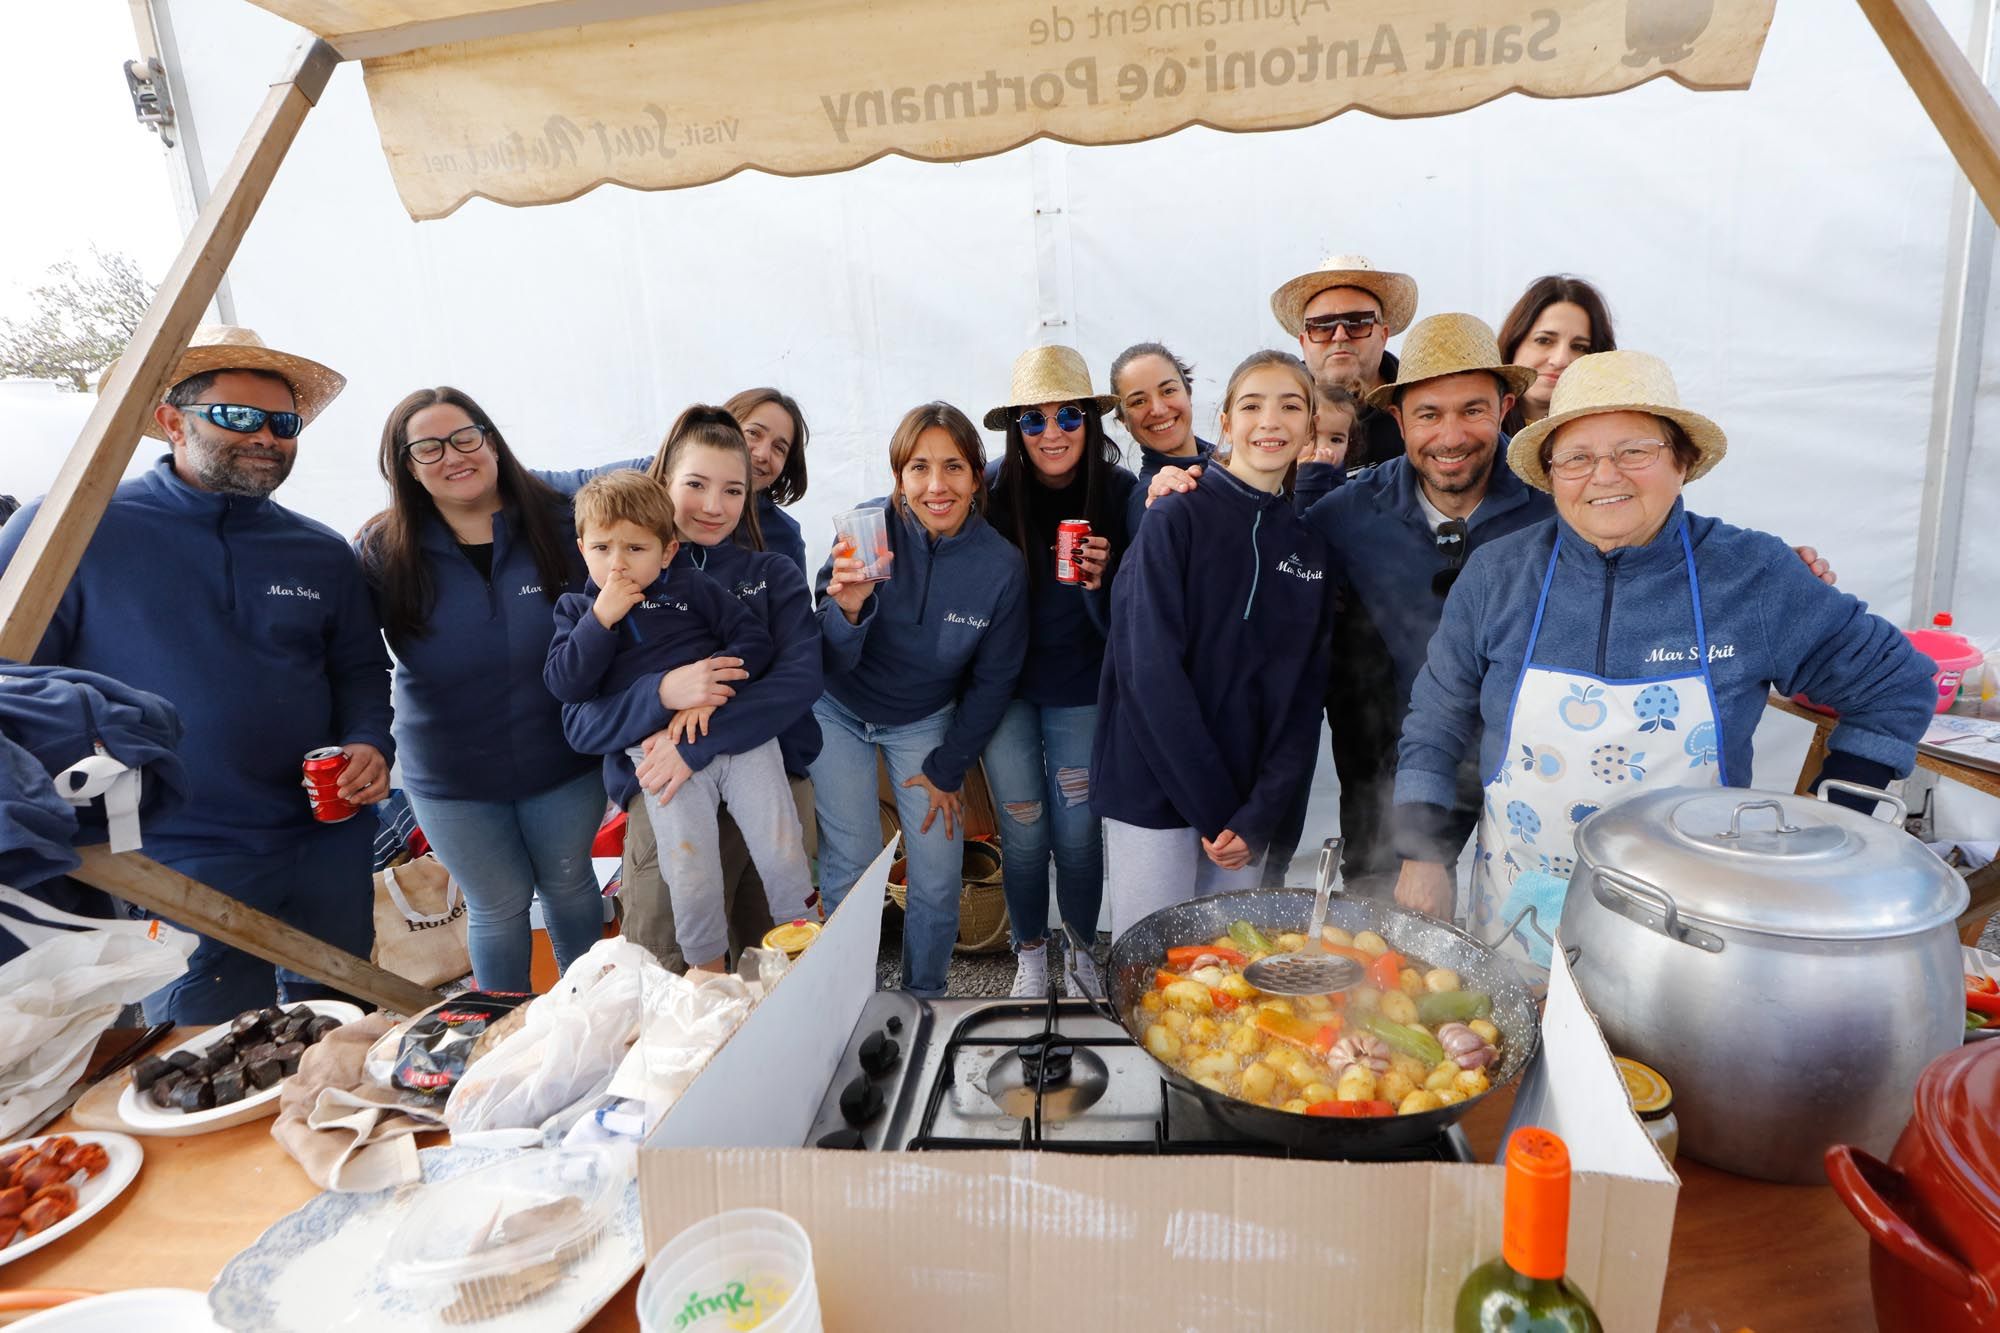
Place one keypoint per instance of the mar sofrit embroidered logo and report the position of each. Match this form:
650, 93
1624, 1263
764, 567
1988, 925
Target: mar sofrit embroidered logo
667, 605
292, 590
976, 622
1296, 566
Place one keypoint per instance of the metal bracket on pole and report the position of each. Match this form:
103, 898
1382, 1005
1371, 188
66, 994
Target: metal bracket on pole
152, 102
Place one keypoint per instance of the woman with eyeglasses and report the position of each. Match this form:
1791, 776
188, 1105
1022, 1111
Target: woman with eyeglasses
775, 430
1558, 319
1058, 465
920, 665
1622, 645
465, 566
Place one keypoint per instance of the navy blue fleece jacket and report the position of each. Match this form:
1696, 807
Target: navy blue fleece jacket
1627, 615
781, 532
776, 704
1207, 714
685, 617
1067, 624
252, 621
1150, 463
950, 626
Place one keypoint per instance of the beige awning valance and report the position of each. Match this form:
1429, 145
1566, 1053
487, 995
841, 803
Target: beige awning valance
485, 98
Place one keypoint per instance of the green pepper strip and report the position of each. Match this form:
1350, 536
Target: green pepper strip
1455, 1006
1410, 1041
1250, 937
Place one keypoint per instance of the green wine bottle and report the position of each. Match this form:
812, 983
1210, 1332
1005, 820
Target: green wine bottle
1524, 1290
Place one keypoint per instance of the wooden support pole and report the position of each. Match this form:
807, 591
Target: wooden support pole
168, 893
34, 580
1947, 86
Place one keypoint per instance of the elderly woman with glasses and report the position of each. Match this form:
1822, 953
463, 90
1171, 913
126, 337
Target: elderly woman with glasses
1623, 645
465, 566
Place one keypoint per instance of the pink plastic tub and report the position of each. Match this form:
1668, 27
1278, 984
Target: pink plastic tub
1953, 655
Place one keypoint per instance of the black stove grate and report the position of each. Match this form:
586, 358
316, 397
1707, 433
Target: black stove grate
1449, 1146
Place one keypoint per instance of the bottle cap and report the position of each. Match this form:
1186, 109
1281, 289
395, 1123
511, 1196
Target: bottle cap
1535, 1235
1942, 620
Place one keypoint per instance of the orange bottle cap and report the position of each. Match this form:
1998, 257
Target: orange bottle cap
1534, 1237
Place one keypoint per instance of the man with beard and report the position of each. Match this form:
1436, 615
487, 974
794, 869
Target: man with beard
1343, 313
255, 624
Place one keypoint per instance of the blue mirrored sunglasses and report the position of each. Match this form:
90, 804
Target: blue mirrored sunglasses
244, 419
1034, 421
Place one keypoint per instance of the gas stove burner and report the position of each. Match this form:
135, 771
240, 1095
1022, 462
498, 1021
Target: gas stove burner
1072, 1080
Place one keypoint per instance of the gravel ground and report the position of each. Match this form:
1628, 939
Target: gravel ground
970, 974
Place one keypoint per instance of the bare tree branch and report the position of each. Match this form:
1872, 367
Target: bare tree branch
82, 321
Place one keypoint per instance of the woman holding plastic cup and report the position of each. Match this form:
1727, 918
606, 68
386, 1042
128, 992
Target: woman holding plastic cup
921, 660
1059, 470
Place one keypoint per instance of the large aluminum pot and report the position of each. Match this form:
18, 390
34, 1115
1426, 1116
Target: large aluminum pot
1791, 966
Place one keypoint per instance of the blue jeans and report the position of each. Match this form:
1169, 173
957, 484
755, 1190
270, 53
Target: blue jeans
1038, 765
320, 883
847, 804
502, 853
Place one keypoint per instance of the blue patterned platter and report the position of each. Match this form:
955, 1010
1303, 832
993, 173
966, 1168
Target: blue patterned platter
318, 1269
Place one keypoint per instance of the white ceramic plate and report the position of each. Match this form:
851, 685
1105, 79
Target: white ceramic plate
142, 1117
91, 1195
319, 1269
1980, 963
154, 1309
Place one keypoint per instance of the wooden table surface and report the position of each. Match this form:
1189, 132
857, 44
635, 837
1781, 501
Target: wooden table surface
1774, 1258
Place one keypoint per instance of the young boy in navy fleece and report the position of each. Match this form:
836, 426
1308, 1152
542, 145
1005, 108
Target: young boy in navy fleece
637, 616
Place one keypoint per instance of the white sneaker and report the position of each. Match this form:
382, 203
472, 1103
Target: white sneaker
1031, 973
1081, 980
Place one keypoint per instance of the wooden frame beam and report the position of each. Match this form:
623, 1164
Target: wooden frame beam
33, 582
1948, 87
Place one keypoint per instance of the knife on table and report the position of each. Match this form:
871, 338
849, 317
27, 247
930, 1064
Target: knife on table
146, 1041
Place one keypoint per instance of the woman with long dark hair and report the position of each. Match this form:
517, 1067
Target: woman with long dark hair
1058, 465
1558, 319
775, 430
465, 566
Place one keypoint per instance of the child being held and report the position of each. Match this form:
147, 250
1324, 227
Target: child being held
640, 617
1335, 410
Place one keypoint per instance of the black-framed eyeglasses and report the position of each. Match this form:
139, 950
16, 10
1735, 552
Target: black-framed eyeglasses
1356, 324
246, 420
1451, 540
1034, 421
466, 440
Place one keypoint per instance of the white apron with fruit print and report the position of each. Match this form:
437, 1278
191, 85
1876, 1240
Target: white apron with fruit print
1575, 744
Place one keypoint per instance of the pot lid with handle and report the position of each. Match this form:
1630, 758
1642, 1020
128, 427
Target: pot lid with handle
1957, 1107
1776, 864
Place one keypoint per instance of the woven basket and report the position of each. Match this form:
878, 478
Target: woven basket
982, 902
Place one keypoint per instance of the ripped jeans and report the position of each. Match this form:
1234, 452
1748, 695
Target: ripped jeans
1038, 765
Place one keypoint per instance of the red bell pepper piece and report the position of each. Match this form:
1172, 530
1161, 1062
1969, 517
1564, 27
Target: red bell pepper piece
1328, 1034
1181, 957
1384, 970
1223, 999
1982, 1002
1163, 979
1361, 956
1975, 982
1350, 1110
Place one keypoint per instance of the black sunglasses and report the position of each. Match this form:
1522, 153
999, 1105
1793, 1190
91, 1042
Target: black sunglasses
1356, 325
1450, 540
244, 419
1034, 421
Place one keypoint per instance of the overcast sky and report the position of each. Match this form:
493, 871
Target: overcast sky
80, 169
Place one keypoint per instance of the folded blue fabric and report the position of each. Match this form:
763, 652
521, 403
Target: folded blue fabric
1545, 893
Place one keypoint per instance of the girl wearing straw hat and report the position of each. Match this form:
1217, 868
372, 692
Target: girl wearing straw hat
1209, 704
1058, 466
1622, 645
920, 666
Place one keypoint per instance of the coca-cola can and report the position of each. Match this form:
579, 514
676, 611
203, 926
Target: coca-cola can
323, 769
1071, 533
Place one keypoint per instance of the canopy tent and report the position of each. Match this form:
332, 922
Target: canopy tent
430, 45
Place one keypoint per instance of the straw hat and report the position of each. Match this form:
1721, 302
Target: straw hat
1454, 344
1615, 382
227, 347
1396, 291
1052, 374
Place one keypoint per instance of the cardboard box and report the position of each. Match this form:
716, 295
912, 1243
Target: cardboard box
986, 1242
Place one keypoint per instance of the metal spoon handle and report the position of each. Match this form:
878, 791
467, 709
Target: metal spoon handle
1329, 861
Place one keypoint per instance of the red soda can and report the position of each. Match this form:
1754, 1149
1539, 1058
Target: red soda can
323, 769
1070, 536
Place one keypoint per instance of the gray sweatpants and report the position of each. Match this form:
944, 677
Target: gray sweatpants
1150, 868
690, 849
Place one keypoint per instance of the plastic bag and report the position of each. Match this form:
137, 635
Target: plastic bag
589, 1029
59, 997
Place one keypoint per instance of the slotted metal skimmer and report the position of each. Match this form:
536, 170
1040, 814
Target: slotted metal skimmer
1311, 970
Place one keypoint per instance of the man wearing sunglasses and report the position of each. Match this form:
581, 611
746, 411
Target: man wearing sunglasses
1343, 313
254, 622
